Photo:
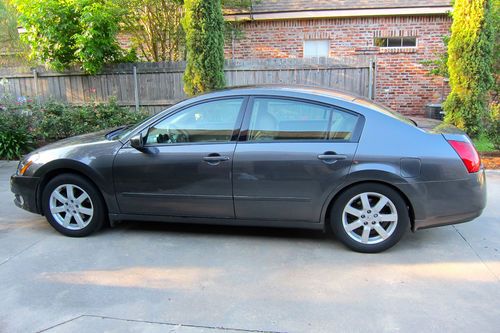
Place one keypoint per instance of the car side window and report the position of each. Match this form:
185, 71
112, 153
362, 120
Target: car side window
212, 121
282, 119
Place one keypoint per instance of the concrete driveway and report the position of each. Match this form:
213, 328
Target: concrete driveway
181, 278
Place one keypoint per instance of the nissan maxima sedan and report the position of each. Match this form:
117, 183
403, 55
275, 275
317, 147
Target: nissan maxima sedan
262, 156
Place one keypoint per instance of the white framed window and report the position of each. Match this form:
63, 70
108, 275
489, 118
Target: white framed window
316, 48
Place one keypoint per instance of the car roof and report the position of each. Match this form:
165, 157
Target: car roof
287, 90
335, 96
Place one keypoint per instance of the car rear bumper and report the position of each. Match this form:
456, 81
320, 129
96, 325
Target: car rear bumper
24, 189
448, 202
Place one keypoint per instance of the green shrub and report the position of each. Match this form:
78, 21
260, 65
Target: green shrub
24, 126
58, 120
15, 133
493, 129
53, 121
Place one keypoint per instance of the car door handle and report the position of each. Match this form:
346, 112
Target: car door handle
331, 157
215, 158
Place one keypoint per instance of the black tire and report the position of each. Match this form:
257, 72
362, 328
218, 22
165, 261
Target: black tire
93, 222
368, 221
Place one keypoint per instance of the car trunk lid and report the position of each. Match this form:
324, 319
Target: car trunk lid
457, 139
436, 126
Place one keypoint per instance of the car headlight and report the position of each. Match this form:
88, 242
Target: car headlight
26, 163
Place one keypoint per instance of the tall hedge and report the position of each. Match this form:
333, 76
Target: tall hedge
470, 59
204, 27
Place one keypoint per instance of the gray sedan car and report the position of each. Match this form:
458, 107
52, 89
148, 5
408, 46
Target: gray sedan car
262, 156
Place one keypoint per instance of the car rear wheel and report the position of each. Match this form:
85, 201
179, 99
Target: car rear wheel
370, 217
73, 205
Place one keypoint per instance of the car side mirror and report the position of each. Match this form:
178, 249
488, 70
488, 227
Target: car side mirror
137, 142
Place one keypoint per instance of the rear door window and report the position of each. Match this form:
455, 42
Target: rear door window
275, 119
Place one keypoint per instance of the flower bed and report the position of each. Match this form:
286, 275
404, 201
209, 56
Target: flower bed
491, 160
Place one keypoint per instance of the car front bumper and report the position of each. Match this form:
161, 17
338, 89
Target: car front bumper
448, 202
25, 189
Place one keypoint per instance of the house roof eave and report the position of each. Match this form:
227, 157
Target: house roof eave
335, 13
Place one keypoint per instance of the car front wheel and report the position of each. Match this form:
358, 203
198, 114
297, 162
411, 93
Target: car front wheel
370, 217
73, 205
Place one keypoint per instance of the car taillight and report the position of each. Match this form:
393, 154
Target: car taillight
468, 154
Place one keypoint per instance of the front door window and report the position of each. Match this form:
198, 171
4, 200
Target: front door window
212, 121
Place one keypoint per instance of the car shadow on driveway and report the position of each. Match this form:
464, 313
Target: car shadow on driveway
411, 242
223, 230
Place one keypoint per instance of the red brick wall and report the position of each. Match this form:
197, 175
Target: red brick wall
402, 82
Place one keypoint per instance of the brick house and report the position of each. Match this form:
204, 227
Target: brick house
397, 35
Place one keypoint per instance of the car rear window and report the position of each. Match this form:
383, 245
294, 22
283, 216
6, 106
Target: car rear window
385, 110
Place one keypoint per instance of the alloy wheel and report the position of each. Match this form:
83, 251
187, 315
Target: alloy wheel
370, 218
71, 206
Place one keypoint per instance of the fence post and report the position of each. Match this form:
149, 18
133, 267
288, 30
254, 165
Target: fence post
371, 78
35, 80
136, 89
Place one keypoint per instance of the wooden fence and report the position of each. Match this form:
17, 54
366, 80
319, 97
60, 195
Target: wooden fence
157, 85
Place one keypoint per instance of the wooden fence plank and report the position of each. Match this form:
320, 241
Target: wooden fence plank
160, 84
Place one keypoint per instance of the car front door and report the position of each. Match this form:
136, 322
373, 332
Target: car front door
291, 155
185, 168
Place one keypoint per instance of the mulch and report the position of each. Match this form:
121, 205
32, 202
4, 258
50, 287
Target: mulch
491, 160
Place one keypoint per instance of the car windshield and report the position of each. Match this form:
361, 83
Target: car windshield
124, 131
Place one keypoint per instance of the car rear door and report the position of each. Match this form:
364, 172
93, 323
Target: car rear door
185, 169
291, 155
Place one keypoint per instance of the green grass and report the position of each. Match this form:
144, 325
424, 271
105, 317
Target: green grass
483, 144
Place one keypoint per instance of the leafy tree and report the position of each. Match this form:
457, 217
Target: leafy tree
67, 32
470, 58
204, 27
11, 49
439, 66
8, 25
233, 29
155, 29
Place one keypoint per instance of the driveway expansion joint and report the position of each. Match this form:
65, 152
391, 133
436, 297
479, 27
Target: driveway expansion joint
159, 323
59, 324
477, 254
20, 252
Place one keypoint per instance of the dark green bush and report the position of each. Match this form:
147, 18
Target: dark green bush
57, 120
24, 126
493, 129
15, 133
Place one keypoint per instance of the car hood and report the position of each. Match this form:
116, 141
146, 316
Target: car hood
78, 140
